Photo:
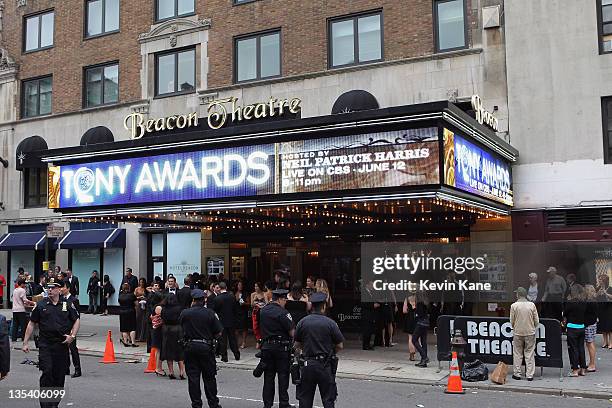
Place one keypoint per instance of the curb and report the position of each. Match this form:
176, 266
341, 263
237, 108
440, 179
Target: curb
487, 387
546, 391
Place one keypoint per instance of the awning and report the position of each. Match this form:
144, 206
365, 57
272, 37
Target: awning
98, 134
93, 238
354, 101
14, 241
29, 151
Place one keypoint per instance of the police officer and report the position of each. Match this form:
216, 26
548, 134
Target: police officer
276, 333
74, 351
319, 339
58, 322
200, 327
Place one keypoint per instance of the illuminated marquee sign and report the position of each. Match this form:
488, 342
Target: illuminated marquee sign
182, 176
365, 161
476, 170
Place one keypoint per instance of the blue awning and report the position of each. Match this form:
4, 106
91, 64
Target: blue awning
93, 238
15, 241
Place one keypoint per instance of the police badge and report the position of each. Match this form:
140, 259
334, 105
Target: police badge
64, 307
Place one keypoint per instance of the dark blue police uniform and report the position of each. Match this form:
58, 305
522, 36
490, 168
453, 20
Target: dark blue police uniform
276, 326
54, 322
318, 335
200, 327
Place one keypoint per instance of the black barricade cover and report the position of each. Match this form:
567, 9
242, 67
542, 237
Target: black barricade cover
489, 339
347, 314
444, 328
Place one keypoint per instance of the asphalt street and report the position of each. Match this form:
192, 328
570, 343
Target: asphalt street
125, 385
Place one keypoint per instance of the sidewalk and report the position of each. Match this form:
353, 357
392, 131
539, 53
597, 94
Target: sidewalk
382, 364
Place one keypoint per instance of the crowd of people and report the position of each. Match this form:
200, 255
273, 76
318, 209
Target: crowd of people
149, 311
582, 309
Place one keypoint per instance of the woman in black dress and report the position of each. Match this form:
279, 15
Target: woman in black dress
172, 331
243, 319
127, 316
154, 321
604, 297
410, 322
297, 303
140, 292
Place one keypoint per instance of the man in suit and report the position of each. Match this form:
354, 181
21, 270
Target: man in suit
73, 283
227, 308
214, 289
5, 349
172, 287
184, 294
130, 279
74, 351
369, 315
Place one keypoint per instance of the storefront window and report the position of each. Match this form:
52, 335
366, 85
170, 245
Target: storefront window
114, 267
450, 25
157, 260
157, 245
184, 254
84, 262
20, 259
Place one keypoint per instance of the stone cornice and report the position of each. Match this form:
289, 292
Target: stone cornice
172, 28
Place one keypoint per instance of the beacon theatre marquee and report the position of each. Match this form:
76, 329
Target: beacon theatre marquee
363, 159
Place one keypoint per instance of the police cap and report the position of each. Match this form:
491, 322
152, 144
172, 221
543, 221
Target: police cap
279, 293
198, 294
318, 297
54, 283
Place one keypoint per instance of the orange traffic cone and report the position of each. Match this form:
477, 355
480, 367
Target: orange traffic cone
152, 366
454, 378
109, 351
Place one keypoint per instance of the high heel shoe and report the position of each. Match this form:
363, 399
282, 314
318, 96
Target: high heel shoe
412, 356
182, 377
172, 377
124, 343
162, 374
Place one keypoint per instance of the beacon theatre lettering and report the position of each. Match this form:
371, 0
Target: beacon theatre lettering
219, 113
486, 337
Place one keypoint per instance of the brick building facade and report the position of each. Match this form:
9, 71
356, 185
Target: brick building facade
412, 66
